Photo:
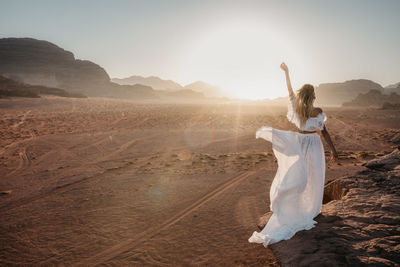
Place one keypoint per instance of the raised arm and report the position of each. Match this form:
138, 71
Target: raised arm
327, 137
289, 85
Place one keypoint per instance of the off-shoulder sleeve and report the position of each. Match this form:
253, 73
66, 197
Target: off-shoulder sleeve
291, 114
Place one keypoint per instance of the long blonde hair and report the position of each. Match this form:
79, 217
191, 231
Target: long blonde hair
305, 97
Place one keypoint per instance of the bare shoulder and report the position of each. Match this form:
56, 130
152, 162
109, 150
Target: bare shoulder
316, 111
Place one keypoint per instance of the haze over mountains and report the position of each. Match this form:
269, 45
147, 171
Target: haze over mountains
374, 98
155, 82
337, 93
38, 62
169, 85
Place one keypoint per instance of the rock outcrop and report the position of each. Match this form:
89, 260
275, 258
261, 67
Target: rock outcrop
359, 224
373, 98
385, 163
338, 93
387, 105
38, 62
393, 88
10, 88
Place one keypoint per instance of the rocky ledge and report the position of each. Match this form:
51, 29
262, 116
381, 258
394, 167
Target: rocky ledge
359, 224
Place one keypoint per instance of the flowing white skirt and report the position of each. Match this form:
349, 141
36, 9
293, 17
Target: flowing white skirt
297, 190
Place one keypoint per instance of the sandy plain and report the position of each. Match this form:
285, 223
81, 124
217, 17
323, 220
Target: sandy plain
112, 182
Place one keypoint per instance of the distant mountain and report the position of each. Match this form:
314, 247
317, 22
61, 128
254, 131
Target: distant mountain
169, 85
137, 91
45, 65
393, 88
373, 98
205, 88
9, 88
41, 63
338, 93
38, 62
395, 85
153, 81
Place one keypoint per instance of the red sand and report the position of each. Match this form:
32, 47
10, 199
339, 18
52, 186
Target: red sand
121, 183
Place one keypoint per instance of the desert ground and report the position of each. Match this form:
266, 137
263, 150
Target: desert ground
112, 182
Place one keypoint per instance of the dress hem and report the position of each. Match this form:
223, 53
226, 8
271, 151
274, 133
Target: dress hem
285, 233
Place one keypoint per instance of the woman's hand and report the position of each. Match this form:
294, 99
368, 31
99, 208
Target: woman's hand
284, 67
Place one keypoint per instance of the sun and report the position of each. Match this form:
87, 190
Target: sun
242, 58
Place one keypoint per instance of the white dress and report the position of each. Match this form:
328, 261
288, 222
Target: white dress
297, 189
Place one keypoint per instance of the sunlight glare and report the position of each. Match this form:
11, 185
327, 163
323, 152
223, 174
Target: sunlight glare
243, 59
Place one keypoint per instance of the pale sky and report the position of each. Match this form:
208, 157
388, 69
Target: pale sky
237, 45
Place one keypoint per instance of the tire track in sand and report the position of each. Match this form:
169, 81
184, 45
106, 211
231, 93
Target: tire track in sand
131, 243
22, 120
24, 163
60, 188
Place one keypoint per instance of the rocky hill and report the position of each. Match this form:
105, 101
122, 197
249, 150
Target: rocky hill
168, 85
338, 93
38, 62
152, 81
41, 63
393, 88
373, 98
137, 91
9, 88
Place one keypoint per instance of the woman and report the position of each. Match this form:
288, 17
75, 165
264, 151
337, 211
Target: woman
297, 189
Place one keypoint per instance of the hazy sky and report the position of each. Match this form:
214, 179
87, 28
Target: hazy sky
235, 44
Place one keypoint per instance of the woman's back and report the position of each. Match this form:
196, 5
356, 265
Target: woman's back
312, 123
